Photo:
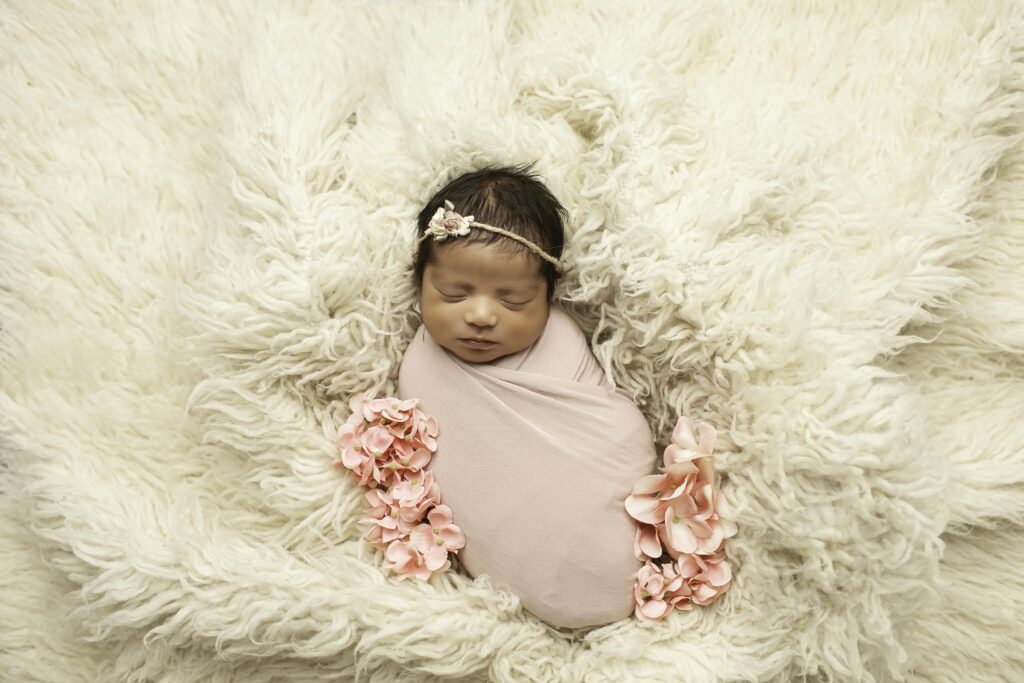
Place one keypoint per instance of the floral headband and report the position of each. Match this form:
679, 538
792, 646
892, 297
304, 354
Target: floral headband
447, 223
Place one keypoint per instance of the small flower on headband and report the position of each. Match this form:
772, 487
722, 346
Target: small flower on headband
448, 223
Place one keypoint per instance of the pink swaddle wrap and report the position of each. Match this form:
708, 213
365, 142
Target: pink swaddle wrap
536, 454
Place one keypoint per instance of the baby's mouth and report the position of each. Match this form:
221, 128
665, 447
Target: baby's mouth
477, 343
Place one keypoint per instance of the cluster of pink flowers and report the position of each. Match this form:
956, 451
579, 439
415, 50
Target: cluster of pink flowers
682, 517
386, 443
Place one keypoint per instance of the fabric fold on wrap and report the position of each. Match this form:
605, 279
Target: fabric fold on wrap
537, 453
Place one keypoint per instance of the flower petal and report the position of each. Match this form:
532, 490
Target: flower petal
643, 508
422, 538
440, 516
436, 557
682, 433
399, 553
453, 537
654, 609
719, 574
678, 533
707, 438
648, 484
647, 541
679, 466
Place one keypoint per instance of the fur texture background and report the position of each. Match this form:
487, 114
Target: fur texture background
801, 222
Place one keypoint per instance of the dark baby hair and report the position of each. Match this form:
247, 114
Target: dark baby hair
508, 197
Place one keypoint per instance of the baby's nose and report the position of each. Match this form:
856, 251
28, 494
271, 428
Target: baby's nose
480, 312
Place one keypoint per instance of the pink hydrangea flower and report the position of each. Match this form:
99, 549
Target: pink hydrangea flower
658, 590
696, 522
387, 444
412, 492
406, 466
691, 580
426, 550
389, 408
706, 576
364, 449
348, 433
438, 537
680, 514
390, 520
695, 518
426, 428
407, 562
684, 448
401, 440
375, 440
412, 429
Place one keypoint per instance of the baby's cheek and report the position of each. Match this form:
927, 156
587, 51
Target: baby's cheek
435, 327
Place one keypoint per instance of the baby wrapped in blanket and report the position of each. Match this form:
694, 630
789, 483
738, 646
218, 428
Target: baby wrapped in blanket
536, 454
537, 449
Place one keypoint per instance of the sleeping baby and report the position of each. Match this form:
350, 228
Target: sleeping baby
537, 448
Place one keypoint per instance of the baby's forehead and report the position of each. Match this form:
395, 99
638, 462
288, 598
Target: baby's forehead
486, 264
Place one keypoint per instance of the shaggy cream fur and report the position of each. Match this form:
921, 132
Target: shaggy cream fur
801, 222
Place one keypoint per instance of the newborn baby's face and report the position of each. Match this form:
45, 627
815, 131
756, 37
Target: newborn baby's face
474, 290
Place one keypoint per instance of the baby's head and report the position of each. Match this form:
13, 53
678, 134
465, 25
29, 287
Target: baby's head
485, 284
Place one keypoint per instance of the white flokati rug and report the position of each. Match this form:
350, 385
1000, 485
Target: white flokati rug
802, 225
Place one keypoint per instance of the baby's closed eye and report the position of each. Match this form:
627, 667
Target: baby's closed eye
459, 297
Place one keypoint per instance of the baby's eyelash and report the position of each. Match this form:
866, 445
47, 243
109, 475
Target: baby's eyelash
510, 303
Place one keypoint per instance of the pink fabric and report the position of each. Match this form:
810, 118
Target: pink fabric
537, 452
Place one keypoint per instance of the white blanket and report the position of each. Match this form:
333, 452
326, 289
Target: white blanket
798, 222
